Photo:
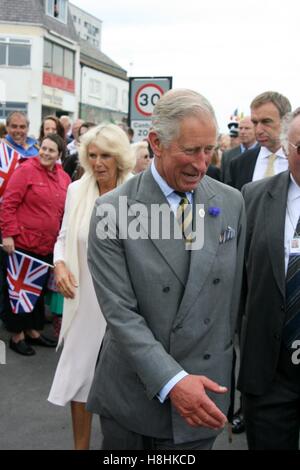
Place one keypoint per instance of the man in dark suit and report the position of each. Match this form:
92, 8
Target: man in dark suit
170, 306
270, 371
247, 142
267, 111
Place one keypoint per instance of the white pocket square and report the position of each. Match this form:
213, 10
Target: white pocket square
227, 235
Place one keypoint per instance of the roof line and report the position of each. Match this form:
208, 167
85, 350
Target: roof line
84, 57
23, 23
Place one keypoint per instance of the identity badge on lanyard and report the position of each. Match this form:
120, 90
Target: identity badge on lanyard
295, 246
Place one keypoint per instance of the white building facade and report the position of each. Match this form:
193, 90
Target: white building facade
46, 69
21, 79
88, 27
103, 96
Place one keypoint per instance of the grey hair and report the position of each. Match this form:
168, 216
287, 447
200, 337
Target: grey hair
113, 140
285, 127
173, 107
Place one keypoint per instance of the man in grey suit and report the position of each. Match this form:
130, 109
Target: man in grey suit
170, 303
270, 346
247, 142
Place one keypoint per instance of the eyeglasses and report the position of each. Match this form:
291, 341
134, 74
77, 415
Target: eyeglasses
296, 147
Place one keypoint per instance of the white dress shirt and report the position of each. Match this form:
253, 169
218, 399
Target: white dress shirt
291, 217
280, 163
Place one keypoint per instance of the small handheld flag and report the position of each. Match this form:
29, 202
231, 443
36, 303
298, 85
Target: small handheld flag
26, 277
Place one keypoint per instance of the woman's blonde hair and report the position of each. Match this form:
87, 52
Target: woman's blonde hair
113, 140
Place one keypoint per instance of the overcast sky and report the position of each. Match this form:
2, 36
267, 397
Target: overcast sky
229, 50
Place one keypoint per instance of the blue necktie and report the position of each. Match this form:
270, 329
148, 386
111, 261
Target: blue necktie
291, 330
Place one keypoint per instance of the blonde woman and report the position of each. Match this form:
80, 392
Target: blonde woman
106, 157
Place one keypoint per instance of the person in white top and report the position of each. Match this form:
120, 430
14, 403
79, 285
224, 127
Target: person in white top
107, 159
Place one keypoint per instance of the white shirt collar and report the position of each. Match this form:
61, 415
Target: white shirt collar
166, 189
265, 153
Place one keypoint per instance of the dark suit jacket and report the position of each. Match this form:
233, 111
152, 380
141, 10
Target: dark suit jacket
227, 156
242, 168
263, 299
214, 172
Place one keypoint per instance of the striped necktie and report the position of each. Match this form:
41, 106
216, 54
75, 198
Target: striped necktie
291, 329
270, 170
184, 216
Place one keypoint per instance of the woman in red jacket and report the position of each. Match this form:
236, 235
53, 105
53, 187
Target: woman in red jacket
31, 215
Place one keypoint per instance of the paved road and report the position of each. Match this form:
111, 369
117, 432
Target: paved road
28, 421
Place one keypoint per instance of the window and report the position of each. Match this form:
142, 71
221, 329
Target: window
48, 56
15, 52
125, 101
2, 54
57, 9
58, 60
95, 88
18, 55
68, 64
92, 30
10, 106
111, 96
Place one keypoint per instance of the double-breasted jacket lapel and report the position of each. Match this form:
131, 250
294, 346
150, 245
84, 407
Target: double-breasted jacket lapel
202, 259
172, 250
190, 267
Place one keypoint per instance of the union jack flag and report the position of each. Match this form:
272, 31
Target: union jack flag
26, 277
9, 159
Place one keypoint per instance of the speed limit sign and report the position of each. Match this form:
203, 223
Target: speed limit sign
144, 93
146, 98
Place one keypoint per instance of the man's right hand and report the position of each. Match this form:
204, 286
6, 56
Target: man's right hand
8, 245
193, 404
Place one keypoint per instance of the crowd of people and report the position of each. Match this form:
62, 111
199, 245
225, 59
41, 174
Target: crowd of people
148, 324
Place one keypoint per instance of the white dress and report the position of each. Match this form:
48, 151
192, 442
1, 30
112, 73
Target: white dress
76, 366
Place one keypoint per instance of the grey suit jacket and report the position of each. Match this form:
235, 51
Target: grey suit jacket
166, 309
263, 299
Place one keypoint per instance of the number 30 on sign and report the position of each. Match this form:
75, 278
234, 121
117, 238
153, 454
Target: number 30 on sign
146, 98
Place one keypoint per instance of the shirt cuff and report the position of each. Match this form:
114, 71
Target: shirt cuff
164, 392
